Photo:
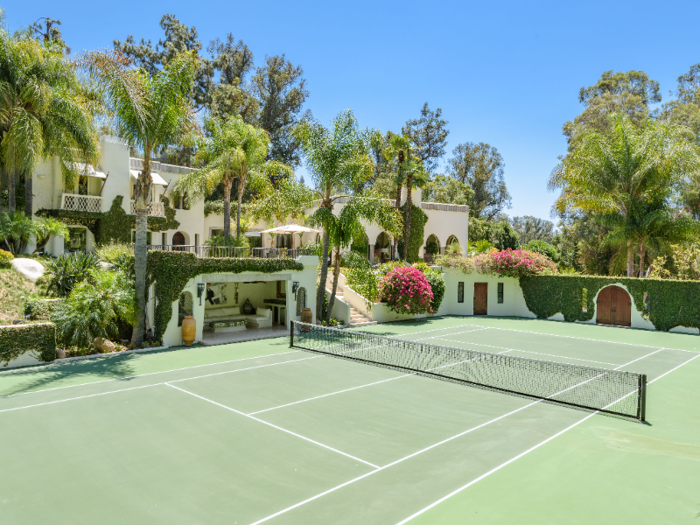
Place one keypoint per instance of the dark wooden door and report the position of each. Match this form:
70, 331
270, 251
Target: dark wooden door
614, 307
481, 298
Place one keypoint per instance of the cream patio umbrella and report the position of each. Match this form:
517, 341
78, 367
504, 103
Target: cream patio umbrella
291, 228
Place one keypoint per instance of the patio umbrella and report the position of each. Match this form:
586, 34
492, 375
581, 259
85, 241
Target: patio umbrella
291, 228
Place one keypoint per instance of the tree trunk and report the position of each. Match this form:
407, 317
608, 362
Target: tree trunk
336, 276
642, 255
28, 196
228, 183
630, 259
11, 185
142, 198
321, 293
409, 205
241, 189
399, 187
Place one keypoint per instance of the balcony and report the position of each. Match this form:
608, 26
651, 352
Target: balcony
460, 208
73, 202
232, 252
155, 209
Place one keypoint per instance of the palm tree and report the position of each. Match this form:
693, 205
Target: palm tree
337, 157
233, 151
43, 113
347, 225
150, 112
409, 173
614, 172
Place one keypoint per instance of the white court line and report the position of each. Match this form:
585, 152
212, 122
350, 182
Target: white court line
434, 504
273, 426
448, 335
337, 487
155, 384
527, 351
426, 331
582, 338
137, 375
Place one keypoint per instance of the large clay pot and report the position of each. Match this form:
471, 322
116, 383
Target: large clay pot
306, 317
189, 330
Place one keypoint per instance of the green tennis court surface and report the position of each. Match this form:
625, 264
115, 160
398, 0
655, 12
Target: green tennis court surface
256, 433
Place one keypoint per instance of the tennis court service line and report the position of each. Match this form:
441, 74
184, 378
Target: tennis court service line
153, 384
581, 338
272, 425
474, 481
130, 377
400, 460
527, 351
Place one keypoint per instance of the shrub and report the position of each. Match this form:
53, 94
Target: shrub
220, 240
39, 338
94, 308
432, 248
437, 286
40, 310
5, 258
16, 230
406, 291
542, 247
119, 255
518, 263
65, 272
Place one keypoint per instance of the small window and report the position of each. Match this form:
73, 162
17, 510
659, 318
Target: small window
460, 292
500, 293
584, 299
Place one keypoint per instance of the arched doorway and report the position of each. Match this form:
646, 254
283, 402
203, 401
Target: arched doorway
178, 240
432, 248
382, 248
452, 246
614, 307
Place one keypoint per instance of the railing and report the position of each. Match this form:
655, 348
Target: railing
232, 252
73, 202
155, 209
462, 208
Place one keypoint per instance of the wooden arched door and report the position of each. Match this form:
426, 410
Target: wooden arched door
614, 307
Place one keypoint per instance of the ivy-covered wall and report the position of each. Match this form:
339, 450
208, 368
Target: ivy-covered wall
170, 272
39, 338
415, 236
115, 224
667, 304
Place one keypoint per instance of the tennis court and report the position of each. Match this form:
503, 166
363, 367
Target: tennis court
261, 433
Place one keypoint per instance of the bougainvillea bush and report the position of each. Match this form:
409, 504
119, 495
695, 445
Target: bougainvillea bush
405, 290
506, 263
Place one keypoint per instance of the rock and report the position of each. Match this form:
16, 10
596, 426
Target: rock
103, 345
30, 268
60, 353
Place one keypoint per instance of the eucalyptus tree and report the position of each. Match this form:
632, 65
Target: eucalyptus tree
429, 135
43, 113
616, 172
233, 151
150, 111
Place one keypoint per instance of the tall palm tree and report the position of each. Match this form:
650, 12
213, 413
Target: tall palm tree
233, 151
337, 157
150, 112
615, 172
409, 173
43, 113
348, 225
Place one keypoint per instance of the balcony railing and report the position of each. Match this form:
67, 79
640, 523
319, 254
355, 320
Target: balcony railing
155, 209
73, 202
463, 208
233, 252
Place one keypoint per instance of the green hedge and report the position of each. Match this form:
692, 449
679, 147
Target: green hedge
40, 309
170, 271
667, 303
415, 236
19, 339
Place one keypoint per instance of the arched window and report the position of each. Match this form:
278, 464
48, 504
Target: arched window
301, 300
184, 307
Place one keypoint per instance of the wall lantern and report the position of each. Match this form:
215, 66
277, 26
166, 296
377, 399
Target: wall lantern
200, 291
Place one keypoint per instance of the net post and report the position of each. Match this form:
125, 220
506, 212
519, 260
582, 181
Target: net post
291, 334
642, 397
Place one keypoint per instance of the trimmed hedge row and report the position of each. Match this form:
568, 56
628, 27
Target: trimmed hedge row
170, 271
665, 303
19, 339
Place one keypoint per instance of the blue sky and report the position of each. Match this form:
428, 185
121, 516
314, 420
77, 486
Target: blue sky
507, 73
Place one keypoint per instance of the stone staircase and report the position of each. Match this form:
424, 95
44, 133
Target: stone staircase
357, 318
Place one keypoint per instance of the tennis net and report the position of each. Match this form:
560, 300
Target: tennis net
605, 390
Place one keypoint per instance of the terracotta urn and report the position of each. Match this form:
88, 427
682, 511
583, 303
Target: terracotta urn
306, 317
189, 330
